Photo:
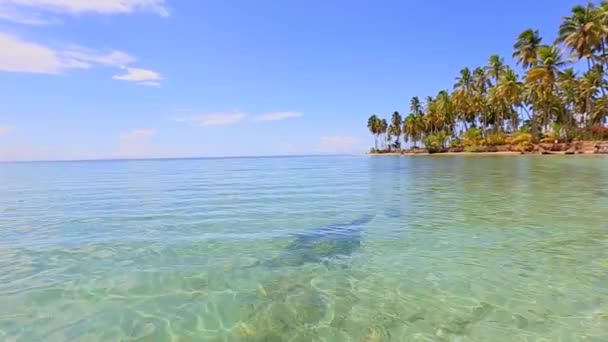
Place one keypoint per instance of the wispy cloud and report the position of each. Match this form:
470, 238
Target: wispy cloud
336, 144
5, 129
36, 12
89, 57
141, 76
213, 119
20, 56
138, 134
276, 116
11, 13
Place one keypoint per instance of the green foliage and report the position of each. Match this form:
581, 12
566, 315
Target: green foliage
495, 139
551, 99
520, 137
436, 142
472, 137
456, 142
474, 149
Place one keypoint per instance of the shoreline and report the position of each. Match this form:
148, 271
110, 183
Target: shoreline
578, 148
501, 153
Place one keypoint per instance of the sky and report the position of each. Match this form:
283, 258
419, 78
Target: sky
97, 79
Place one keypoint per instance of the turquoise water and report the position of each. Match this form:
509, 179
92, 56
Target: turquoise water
439, 248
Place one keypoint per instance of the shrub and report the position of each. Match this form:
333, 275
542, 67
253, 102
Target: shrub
472, 137
524, 146
436, 142
495, 139
521, 137
456, 143
474, 149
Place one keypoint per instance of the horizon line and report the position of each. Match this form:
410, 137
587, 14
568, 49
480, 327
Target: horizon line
176, 158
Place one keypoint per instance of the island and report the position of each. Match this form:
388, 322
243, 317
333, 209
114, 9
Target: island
553, 101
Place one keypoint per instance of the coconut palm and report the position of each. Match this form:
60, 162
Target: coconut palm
568, 87
525, 50
582, 32
542, 80
496, 67
445, 112
415, 105
510, 90
373, 125
413, 128
395, 128
463, 97
383, 129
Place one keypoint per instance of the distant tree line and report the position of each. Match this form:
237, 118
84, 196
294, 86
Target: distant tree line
493, 104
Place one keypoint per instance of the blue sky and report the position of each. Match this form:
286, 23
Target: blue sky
181, 78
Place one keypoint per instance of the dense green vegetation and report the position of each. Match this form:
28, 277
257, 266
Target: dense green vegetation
493, 105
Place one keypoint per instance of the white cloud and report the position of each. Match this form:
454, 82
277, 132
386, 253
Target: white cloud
20, 56
88, 57
15, 15
213, 119
142, 76
138, 134
276, 116
336, 144
5, 129
25, 11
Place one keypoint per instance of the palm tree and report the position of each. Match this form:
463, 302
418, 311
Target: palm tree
590, 85
582, 32
496, 67
413, 127
395, 129
525, 49
415, 105
510, 90
444, 111
373, 125
542, 79
479, 101
568, 88
382, 129
463, 97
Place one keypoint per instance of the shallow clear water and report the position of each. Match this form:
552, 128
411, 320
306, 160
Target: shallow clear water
505, 248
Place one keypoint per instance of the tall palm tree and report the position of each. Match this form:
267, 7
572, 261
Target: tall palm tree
383, 129
395, 130
479, 102
496, 67
463, 96
582, 32
525, 50
542, 79
413, 128
510, 90
590, 85
373, 125
568, 87
444, 111
415, 105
